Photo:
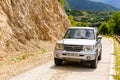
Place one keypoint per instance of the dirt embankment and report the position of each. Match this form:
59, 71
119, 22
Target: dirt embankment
28, 29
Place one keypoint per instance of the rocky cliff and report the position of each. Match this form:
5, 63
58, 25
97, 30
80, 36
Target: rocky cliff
24, 24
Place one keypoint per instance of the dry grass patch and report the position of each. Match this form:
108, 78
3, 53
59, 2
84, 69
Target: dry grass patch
117, 55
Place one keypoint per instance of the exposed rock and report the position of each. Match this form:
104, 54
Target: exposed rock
24, 23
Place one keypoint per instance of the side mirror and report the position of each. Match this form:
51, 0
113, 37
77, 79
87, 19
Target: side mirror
99, 37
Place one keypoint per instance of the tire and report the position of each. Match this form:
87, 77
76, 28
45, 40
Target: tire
57, 61
93, 63
99, 57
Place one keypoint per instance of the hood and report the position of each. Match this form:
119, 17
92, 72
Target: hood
77, 42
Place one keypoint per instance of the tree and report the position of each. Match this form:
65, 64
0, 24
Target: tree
112, 27
65, 4
103, 29
74, 23
114, 24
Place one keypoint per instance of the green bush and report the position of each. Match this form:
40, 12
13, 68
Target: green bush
114, 24
103, 29
74, 23
112, 27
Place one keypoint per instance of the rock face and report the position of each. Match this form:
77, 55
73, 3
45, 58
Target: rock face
24, 23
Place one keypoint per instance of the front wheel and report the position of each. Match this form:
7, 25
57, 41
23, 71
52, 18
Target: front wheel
99, 57
57, 61
93, 63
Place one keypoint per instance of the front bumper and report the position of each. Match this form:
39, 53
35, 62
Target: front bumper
86, 56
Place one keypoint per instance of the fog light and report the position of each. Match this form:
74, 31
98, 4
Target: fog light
88, 57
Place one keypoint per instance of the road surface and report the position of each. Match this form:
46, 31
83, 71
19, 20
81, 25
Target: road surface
73, 71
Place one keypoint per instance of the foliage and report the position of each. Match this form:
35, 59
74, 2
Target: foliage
83, 24
90, 18
65, 4
77, 13
112, 27
74, 23
103, 29
117, 61
114, 24
62, 2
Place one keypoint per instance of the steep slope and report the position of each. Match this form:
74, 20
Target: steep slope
24, 24
90, 5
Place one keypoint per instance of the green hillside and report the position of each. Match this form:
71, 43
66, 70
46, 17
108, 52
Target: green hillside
90, 5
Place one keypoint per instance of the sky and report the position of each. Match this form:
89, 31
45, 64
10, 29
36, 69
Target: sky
115, 3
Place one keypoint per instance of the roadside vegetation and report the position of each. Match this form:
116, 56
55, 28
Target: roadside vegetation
27, 55
117, 55
112, 26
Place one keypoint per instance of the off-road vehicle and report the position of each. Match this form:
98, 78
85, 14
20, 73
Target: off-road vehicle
79, 44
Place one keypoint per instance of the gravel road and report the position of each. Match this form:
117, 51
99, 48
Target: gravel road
73, 71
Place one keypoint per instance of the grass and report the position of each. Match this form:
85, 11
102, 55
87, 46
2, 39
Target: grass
42, 51
21, 57
117, 57
27, 55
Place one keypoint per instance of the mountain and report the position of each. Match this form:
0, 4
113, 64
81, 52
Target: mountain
90, 5
115, 3
67, 6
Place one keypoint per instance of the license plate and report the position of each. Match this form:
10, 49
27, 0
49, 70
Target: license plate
72, 54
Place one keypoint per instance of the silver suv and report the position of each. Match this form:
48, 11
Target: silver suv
79, 44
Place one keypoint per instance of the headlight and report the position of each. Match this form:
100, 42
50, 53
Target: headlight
88, 47
59, 47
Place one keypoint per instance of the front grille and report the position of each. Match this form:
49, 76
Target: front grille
75, 48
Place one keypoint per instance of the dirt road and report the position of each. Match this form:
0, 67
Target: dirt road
73, 71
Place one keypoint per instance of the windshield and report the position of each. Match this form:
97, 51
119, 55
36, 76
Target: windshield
80, 34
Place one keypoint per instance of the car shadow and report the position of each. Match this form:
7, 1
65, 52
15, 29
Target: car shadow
74, 67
